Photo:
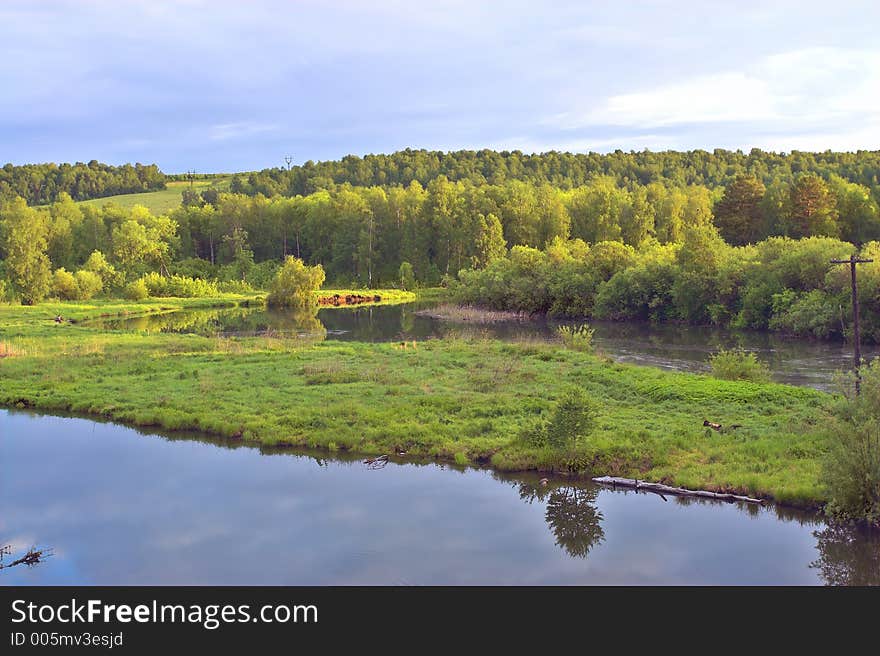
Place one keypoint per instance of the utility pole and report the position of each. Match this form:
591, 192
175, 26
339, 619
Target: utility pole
191, 174
288, 159
857, 341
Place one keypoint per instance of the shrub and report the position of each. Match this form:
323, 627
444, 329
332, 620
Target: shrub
179, 286
193, 267
136, 291
737, 364
813, 314
577, 338
110, 277
234, 287
64, 285
570, 422
851, 470
89, 284
295, 284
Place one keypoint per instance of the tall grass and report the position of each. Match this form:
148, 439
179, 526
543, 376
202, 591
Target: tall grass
577, 338
737, 364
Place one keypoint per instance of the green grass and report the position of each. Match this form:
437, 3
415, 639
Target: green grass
159, 202
456, 399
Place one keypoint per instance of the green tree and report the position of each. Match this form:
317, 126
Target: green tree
64, 285
295, 284
27, 264
489, 244
98, 264
405, 276
739, 214
812, 209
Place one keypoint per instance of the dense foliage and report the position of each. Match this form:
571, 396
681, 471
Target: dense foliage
295, 284
779, 284
40, 184
563, 170
699, 237
852, 467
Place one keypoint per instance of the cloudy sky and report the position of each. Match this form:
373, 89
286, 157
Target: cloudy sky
224, 86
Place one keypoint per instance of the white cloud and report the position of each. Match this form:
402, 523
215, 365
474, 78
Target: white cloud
810, 88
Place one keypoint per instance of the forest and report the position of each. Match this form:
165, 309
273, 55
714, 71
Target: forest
723, 238
40, 184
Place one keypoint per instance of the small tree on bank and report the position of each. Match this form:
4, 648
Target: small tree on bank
295, 284
406, 276
27, 264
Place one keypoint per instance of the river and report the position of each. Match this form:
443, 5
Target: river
118, 506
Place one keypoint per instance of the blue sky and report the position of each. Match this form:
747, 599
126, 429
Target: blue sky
225, 86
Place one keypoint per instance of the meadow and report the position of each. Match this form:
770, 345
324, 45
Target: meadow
161, 202
460, 399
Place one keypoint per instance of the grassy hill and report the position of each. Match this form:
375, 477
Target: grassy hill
159, 202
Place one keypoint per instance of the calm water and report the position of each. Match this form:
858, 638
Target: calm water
687, 348
122, 507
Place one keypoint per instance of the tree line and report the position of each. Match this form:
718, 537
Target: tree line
40, 184
559, 169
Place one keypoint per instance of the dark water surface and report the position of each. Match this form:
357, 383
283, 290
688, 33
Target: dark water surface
684, 348
122, 507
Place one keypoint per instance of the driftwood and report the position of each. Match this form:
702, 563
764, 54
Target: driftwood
376, 463
658, 488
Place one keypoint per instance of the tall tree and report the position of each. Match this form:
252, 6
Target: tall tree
812, 209
739, 214
25, 234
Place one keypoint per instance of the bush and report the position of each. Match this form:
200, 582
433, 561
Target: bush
64, 285
571, 421
737, 364
98, 264
295, 284
136, 291
577, 338
178, 286
234, 287
851, 470
813, 314
89, 284
193, 267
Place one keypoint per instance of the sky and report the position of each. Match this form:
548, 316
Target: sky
217, 86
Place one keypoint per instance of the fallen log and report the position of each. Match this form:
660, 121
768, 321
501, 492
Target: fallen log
659, 488
376, 463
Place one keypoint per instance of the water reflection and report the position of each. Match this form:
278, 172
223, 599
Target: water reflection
672, 347
848, 555
571, 513
122, 506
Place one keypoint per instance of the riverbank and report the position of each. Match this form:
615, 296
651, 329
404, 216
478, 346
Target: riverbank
459, 399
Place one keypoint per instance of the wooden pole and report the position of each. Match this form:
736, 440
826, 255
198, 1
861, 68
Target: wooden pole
857, 338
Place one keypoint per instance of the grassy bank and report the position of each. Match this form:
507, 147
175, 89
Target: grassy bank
459, 399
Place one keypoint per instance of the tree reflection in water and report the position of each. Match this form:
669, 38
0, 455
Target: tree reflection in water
571, 514
848, 555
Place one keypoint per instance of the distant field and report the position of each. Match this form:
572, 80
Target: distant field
159, 202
